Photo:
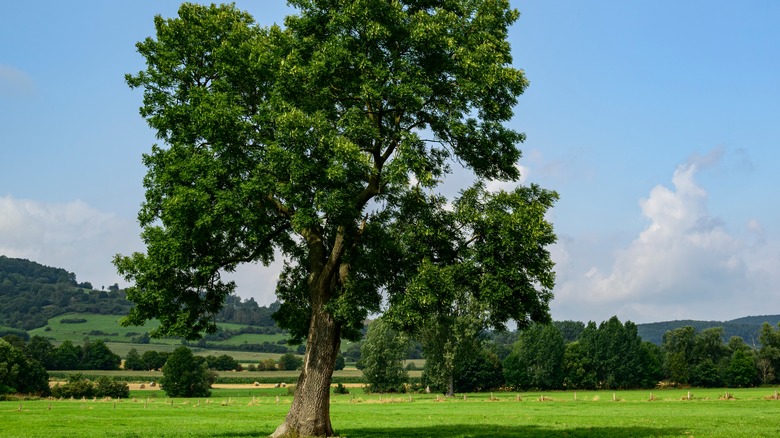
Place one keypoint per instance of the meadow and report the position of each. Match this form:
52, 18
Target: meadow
244, 412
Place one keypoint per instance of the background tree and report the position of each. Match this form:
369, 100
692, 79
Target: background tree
571, 330
133, 361
340, 363
289, 361
42, 350
67, 356
710, 358
154, 360
536, 360
223, 362
186, 375
652, 365
578, 370
678, 353
21, 374
479, 371
97, 356
768, 359
382, 354
741, 371
311, 141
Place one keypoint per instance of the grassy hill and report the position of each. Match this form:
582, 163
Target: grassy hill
78, 327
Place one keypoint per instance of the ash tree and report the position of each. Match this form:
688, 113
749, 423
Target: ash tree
311, 143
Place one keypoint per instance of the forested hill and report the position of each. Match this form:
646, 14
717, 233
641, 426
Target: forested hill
747, 328
31, 293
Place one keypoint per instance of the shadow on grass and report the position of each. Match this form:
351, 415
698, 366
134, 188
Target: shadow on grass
487, 430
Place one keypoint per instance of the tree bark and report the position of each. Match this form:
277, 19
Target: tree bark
309, 415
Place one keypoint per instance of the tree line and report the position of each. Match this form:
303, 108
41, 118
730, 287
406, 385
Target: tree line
571, 355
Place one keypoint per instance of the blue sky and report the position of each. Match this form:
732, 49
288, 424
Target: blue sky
657, 122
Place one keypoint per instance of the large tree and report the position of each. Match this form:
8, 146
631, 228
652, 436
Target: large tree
313, 142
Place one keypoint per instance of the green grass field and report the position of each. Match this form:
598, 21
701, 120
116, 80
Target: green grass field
118, 338
255, 412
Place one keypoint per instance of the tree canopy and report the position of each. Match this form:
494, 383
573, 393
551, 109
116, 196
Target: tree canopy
323, 142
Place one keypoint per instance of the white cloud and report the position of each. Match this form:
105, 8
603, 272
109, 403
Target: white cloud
72, 236
83, 240
496, 185
685, 264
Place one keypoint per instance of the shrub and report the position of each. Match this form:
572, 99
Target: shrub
340, 389
72, 320
340, 363
289, 361
107, 387
185, 375
77, 386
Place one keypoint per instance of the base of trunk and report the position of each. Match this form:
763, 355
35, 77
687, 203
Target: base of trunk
309, 414
284, 432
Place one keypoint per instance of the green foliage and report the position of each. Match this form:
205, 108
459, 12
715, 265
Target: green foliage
66, 356
678, 352
322, 142
186, 375
340, 363
154, 360
106, 387
536, 360
746, 328
79, 386
769, 353
42, 350
289, 361
19, 373
706, 375
741, 371
222, 362
278, 133
133, 361
609, 356
480, 371
340, 389
31, 293
97, 356
570, 330
73, 320
382, 355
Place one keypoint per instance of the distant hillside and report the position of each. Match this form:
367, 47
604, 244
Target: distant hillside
31, 293
747, 328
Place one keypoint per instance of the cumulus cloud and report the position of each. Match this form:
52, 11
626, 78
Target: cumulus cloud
72, 235
687, 262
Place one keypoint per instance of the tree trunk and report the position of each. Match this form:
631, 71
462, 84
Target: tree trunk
309, 414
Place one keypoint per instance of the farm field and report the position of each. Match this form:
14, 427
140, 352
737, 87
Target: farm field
107, 327
246, 411
229, 376
119, 339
